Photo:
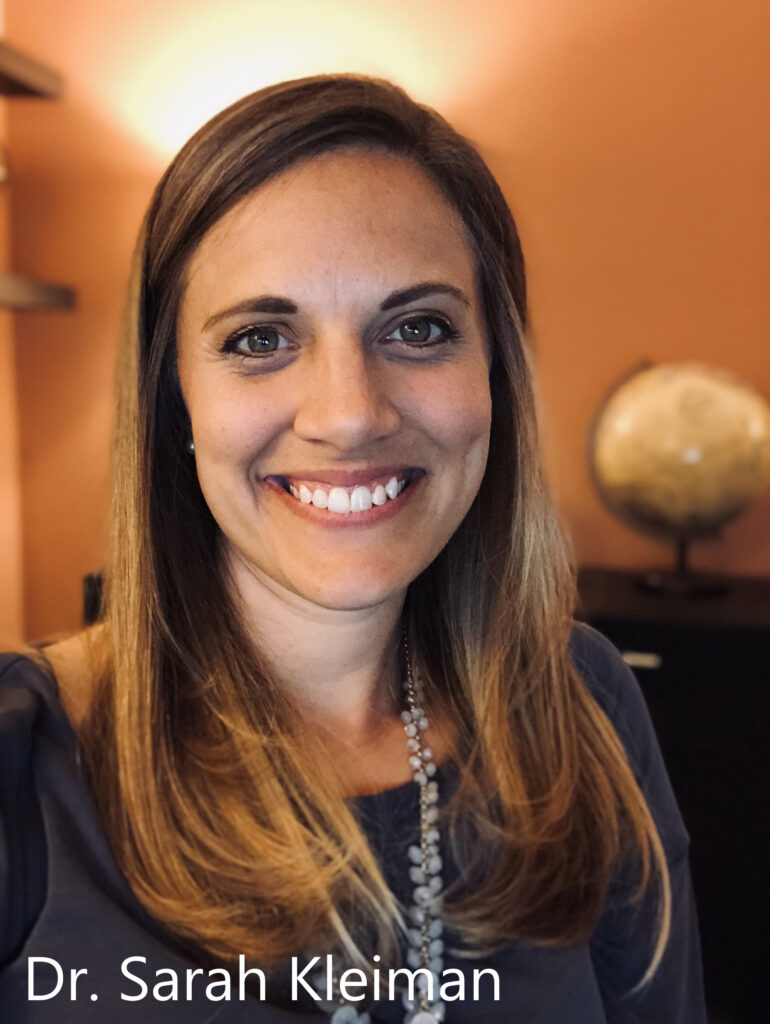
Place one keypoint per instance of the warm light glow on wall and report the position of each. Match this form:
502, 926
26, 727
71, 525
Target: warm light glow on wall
184, 77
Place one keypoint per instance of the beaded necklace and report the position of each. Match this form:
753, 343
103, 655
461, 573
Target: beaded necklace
425, 943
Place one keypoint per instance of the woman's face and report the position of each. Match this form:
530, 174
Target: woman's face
333, 361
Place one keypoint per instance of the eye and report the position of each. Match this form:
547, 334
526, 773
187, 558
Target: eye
255, 341
423, 331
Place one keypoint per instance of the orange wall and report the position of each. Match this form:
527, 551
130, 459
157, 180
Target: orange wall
11, 589
625, 136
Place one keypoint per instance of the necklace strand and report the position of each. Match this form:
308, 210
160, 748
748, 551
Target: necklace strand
424, 862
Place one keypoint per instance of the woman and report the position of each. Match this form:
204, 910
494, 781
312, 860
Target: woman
338, 721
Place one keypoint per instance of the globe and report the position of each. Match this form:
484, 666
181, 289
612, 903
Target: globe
678, 450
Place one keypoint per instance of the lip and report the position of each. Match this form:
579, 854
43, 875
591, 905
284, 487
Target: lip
348, 478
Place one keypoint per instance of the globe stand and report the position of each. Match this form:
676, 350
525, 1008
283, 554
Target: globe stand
682, 581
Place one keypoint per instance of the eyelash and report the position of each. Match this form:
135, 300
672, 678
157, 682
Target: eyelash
448, 335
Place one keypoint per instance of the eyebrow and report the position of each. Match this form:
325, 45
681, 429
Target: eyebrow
419, 291
262, 304
285, 307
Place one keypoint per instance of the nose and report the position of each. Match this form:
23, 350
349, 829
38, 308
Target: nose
346, 401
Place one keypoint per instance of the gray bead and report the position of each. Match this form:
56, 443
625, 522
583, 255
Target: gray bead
425, 1017
422, 982
345, 1015
413, 958
423, 895
438, 1010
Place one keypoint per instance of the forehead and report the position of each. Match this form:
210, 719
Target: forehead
354, 212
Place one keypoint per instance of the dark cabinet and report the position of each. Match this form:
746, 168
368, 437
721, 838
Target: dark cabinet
703, 663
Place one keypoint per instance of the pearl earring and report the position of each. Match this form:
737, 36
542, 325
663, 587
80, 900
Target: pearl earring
190, 446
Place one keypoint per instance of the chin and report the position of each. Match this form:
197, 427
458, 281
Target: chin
349, 592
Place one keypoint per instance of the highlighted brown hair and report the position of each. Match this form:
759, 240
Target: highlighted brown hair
218, 805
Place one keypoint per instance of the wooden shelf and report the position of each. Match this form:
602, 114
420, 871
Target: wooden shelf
20, 75
28, 294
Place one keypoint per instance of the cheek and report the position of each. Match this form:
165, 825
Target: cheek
461, 414
230, 433
229, 423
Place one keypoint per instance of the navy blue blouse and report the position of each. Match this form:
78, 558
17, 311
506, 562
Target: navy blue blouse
63, 899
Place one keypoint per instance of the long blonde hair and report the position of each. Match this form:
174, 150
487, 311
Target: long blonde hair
218, 805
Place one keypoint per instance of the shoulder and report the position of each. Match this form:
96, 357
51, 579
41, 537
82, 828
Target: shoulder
598, 660
615, 689
37, 744
25, 679
62, 675
75, 664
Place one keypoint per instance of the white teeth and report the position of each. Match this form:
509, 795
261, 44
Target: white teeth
339, 500
360, 499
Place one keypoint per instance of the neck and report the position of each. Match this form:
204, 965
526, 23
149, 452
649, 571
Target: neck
341, 666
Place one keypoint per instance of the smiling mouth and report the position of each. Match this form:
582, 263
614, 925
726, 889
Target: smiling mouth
344, 500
